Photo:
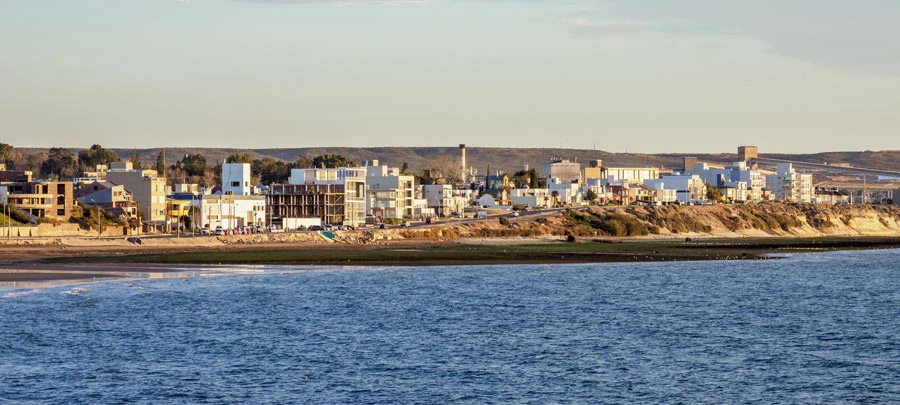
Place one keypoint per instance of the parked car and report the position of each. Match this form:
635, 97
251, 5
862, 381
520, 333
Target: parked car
383, 226
219, 231
515, 213
404, 224
316, 228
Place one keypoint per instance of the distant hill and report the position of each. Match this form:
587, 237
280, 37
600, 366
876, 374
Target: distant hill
505, 159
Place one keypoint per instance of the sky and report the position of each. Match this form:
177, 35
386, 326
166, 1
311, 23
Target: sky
650, 76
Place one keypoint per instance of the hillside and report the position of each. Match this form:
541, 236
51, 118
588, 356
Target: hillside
505, 159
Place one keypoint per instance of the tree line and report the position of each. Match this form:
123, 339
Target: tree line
62, 163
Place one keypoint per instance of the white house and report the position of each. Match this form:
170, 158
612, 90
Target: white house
569, 193
232, 211
531, 197
688, 187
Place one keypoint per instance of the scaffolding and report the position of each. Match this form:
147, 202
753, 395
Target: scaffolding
323, 201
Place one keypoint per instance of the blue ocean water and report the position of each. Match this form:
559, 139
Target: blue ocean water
811, 328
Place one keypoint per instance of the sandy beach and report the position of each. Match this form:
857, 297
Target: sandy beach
62, 259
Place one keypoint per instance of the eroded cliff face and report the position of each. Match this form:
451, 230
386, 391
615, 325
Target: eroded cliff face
756, 220
765, 219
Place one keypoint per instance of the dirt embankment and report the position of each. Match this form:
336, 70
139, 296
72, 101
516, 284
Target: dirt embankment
747, 220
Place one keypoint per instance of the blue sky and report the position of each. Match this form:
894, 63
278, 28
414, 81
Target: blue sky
639, 75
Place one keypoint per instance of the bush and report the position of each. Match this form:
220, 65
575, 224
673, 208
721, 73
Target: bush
15, 213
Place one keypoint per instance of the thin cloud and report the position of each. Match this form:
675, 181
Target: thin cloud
609, 28
339, 3
837, 33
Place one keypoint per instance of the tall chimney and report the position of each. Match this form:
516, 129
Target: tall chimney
462, 163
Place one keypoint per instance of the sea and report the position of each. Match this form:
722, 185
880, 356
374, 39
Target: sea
806, 328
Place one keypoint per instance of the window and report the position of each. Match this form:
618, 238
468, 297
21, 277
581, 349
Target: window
60, 200
61, 212
60, 189
235, 184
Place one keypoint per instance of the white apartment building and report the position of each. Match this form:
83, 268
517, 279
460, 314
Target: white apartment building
788, 185
443, 199
389, 194
236, 178
633, 175
736, 182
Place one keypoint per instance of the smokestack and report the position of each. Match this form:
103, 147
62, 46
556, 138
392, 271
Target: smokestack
462, 163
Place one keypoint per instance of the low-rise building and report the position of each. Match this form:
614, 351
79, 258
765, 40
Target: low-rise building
231, 211
688, 187
112, 198
531, 197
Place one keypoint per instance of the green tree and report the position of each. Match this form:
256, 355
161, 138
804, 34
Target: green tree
329, 160
9, 155
161, 163
714, 194
591, 195
303, 162
96, 155
135, 160
269, 170
530, 178
193, 164
239, 158
60, 163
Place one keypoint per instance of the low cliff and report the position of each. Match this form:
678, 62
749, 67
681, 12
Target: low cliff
756, 220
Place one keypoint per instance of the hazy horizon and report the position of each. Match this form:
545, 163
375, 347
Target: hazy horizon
652, 76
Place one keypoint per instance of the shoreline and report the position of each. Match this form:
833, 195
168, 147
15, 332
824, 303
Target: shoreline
86, 260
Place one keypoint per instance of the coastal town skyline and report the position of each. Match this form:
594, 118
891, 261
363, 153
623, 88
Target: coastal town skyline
644, 77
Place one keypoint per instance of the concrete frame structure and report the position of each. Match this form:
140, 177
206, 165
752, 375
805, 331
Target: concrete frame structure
291, 205
353, 180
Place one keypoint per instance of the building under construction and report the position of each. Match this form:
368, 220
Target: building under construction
291, 205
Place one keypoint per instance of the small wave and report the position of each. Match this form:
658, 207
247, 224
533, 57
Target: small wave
18, 294
76, 291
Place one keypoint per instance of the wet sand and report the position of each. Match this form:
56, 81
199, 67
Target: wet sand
92, 259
